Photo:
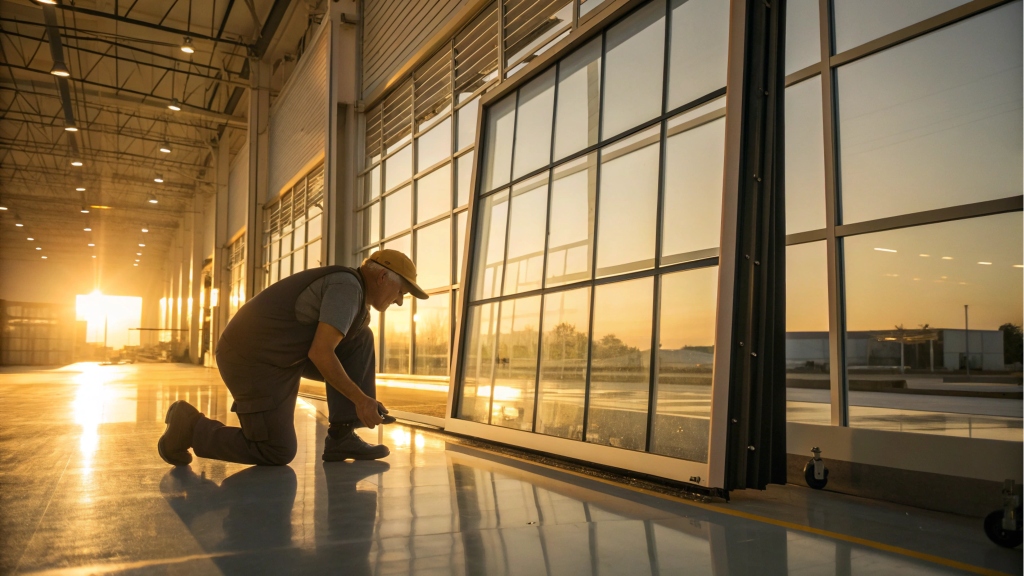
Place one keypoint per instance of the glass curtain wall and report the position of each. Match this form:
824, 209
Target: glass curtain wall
292, 227
593, 287
236, 267
903, 208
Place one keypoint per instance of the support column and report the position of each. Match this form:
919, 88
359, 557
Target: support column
259, 144
221, 273
342, 134
195, 282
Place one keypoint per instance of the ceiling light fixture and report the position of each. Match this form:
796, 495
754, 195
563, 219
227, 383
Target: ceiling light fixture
76, 162
145, 228
175, 105
152, 199
80, 189
2, 207
87, 228
91, 245
60, 69
51, 2
71, 127
38, 248
85, 210
44, 257
187, 47
138, 253
141, 245
17, 221
93, 255
159, 179
165, 147
30, 239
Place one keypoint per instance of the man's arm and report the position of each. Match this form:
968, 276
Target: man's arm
322, 354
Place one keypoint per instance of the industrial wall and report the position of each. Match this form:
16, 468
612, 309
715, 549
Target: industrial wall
238, 192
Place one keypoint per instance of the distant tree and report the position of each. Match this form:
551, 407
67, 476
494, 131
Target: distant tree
611, 346
565, 342
1013, 343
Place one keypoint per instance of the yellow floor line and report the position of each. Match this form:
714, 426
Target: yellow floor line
781, 523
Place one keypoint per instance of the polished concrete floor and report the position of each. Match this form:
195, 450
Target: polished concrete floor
82, 491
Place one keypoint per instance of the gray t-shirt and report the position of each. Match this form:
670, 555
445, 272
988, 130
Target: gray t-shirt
333, 299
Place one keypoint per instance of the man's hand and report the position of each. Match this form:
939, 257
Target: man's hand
366, 409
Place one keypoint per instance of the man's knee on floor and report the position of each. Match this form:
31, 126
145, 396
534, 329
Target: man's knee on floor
278, 455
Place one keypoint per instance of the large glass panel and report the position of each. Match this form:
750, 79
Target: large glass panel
434, 146
433, 255
398, 168
692, 215
686, 353
700, 49
635, 53
460, 243
501, 123
628, 204
467, 116
464, 177
431, 321
403, 244
807, 336
398, 211
805, 157
803, 39
524, 264
579, 100
371, 184
481, 331
313, 255
620, 351
515, 373
571, 233
934, 122
563, 365
490, 251
371, 224
911, 296
314, 229
860, 21
434, 193
398, 338
533, 124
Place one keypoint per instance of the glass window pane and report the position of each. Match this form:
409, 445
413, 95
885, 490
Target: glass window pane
298, 237
571, 234
579, 100
803, 40
481, 329
398, 168
805, 158
586, 6
490, 251
467, 116
371, 184
533, 124
371, 224
906, 292
686, 353
460, 243
434, 193
434, 146
620, 352
515, 373
860, 21
433, 255
299, 260
692, 218
403, 244
501, 122
635, 52
563, 365
432, 321
398, 211
524, 264
313, 229
313, 255
464, 185
807, 336
628, 204
397, 338
700, 48
934, 122
286, 243
286, 266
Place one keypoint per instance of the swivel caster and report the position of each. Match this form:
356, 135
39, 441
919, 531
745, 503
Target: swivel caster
1003, 527
815, 472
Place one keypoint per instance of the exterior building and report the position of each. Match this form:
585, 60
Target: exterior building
560, 173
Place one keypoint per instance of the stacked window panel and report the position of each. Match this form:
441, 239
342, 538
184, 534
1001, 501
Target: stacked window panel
292, 228
236, 265
593, 286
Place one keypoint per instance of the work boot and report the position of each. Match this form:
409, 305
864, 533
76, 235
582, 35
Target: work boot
347, 445
177, 439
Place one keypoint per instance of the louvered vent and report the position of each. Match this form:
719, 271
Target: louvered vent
476, 53
433, 87
531, 25
397, 117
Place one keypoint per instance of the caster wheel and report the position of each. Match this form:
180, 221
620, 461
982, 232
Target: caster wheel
997, 534
811, 480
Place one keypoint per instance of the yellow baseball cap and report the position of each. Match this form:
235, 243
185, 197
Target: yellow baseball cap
400, 264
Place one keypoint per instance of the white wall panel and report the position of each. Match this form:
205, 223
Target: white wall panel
238, 192
298, 118
395, 30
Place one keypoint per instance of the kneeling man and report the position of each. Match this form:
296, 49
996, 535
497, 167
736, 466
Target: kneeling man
314, 324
